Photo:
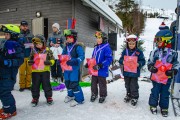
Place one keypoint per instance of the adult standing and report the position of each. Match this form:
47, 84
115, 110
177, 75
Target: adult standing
25, 71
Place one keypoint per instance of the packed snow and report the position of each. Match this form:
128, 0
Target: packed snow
113, 109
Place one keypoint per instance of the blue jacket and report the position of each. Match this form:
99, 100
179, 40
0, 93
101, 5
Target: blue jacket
172, 57
103, 55
16, 59
141, 62
26, 37
76, 53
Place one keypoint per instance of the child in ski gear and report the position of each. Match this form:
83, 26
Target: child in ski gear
56, 41
163, 53
11, 57
130, 76
72, 78
41, 76
25, 71
103, 56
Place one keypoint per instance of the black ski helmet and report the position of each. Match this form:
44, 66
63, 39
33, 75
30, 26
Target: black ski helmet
70, 32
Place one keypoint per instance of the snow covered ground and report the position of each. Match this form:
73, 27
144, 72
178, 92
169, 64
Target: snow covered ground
113, 109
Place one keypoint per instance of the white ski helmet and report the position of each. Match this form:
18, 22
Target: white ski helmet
132, 36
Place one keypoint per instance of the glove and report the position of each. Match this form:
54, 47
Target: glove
86, 65
30, 62
171, 72
72, 62
152, 69
98, 66
47, 62
8, 63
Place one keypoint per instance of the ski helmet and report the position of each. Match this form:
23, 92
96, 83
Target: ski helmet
70, 32
131, 37
13, 30
102, 35
39, 39
165, 36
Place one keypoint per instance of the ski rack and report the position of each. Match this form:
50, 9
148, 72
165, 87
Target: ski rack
175, 101
176, 106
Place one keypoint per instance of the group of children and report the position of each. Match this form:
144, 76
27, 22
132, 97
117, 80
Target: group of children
132, 59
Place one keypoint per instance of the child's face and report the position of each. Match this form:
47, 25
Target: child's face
39, 45
70, 39
132, 44
7, 36
99, 40
160, 43
54, 29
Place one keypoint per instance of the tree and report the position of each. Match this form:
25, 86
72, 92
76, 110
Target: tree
132, 17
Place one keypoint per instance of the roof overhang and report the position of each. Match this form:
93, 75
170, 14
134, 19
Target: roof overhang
104, 10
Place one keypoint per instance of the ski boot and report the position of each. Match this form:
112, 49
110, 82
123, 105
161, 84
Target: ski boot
49, 101
164, 112
68, 99
102, 99
134, 102
4, 116
34, 102
127, 98
153, 110
93, 98
1, 110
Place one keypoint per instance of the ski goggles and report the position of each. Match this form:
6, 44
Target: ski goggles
131, 40
98, 34
162, 39
70, 36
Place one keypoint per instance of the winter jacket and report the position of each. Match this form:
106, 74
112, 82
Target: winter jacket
141, 61
16, 58
172, 57
103, 55
56, 38
26, 37
49, 58
76, 53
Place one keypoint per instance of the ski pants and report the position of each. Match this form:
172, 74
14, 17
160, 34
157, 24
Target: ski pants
72, 85
39, 78
102, 86
6, 97
160, 95
132, 87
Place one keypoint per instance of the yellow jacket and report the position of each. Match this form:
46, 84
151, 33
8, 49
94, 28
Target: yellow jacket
49, 57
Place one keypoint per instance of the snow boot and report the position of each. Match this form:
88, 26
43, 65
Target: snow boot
49, 101
102, 99
73, 103
93, 98
153, 110
68, 99
134, 102
127, 98
1, 110
34, 102
4, 116
164, 112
